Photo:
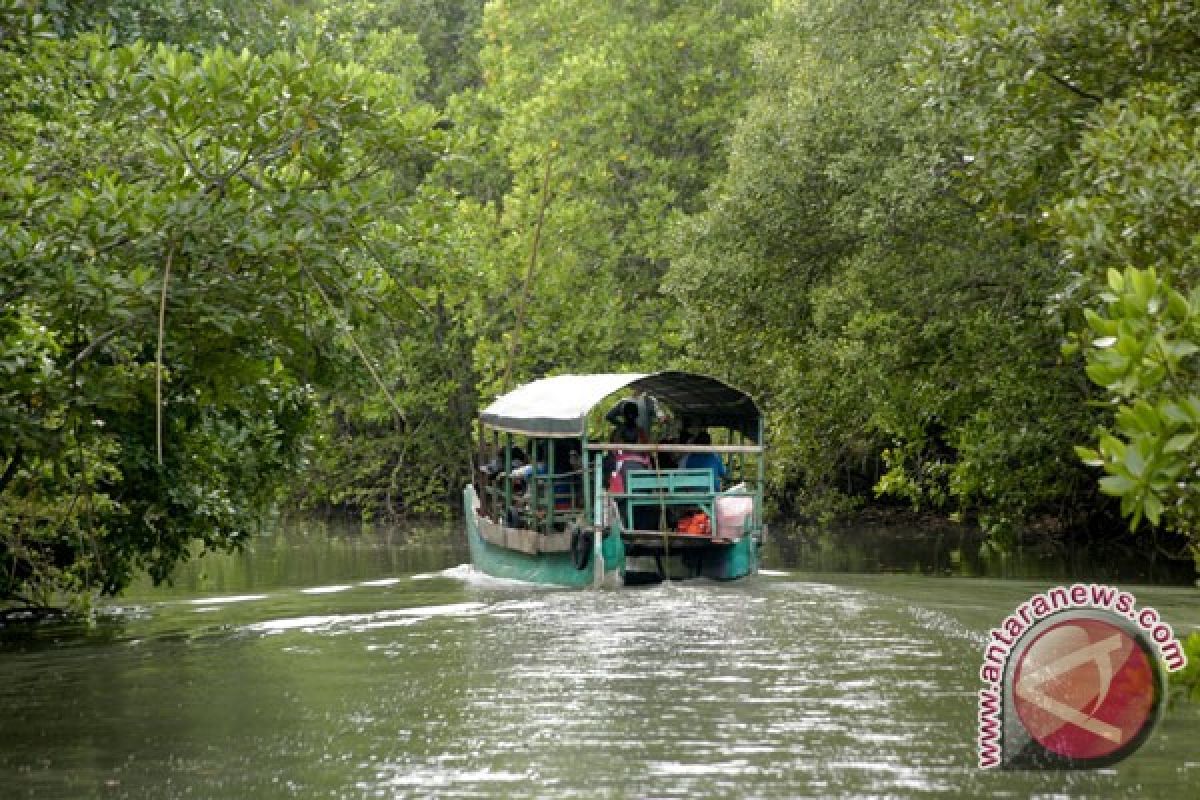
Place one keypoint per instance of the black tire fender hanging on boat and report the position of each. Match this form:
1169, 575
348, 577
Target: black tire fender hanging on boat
581, 548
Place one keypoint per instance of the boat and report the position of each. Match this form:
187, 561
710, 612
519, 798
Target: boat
567, 495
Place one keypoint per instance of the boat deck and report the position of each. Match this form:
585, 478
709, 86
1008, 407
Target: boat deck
673, 540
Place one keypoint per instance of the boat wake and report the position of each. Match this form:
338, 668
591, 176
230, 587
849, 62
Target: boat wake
357, 623
472, 577
459, 573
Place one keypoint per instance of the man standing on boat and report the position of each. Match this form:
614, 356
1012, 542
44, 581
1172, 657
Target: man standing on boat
639, 412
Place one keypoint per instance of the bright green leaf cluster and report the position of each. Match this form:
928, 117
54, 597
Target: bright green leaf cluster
1143, 350
1186, 683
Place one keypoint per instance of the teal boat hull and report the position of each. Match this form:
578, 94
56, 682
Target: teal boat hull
721, 562
553, 569
732, 561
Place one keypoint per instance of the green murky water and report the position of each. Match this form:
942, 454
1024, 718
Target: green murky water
363, 666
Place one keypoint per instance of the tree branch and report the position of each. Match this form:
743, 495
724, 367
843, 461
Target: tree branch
374, 255
158, 361
187, 159
91, 348
362, 355
1071, 87
10, 471
219, 184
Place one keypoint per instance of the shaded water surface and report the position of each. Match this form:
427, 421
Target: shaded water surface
318, 666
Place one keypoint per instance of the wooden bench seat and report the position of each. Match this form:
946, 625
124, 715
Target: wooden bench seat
649, 488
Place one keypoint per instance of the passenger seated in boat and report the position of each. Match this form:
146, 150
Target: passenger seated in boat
529, 492
709, 461
493, 476
522, 485
684, 434
568, 485
494, 468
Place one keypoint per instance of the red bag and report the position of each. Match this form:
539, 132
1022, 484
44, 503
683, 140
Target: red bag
695, 524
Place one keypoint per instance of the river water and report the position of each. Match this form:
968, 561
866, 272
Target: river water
319, 664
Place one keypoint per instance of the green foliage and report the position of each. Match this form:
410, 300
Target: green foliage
192, 24
443, 31
1185, 684
882, 219
228, 195
1019, 82
1080, 122
366, 460
838, 274
1142, 349
628, 102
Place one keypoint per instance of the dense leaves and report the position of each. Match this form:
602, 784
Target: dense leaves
1082, 117
1143, 344
837, 271
272, 253
922, 206
603, 120
182, 239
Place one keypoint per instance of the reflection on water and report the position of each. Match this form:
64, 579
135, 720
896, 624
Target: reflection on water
945, 549
307, 669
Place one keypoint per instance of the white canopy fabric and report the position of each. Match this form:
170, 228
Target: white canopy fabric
558, 406
554, 406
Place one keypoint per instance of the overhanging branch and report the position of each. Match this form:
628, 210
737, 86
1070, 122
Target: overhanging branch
1071, 87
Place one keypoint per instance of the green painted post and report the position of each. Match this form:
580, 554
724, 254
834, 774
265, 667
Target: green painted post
549, 485
598, 536
531, 495
762, 475
507, 475
598, 505
491, 478
587, 497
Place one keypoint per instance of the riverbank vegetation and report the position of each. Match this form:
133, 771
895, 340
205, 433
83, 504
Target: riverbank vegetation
276, 254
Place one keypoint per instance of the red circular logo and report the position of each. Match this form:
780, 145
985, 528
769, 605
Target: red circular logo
1085, 689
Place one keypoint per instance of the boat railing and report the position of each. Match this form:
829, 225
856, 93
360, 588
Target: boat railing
675, 493
552, 501
721, 449
560, 495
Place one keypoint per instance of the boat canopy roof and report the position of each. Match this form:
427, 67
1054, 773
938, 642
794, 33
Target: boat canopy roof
558, 406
